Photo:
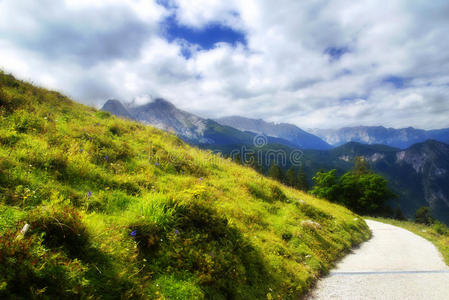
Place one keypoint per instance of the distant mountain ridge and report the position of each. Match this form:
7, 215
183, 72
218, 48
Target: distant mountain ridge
400, 138
189, 127
289, 132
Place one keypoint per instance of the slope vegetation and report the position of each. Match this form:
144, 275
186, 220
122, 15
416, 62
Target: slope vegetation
118, 209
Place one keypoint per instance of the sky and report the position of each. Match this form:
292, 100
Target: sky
315, 63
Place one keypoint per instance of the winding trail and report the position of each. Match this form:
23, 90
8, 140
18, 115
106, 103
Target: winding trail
393, 264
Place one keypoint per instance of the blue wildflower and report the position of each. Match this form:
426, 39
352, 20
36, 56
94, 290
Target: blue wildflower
201, 178
89, 194
176, 231
106, 157
157, 164
133, 233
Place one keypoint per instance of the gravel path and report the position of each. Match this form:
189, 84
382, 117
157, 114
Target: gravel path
394, 264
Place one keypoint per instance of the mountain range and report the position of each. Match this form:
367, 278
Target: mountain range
416, 167
189, 127
400, 138
298, 137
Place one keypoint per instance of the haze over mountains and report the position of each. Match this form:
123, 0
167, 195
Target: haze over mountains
400, 138
289, 132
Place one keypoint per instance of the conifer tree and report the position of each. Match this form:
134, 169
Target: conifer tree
275, 172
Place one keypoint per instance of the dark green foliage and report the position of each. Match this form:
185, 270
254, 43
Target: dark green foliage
237, 158
302, 183
326, 185
275, 172
202, 243
60, 227
365, 193
253, 162
398, 214
287, 236
27, 271
423, 216
291, 178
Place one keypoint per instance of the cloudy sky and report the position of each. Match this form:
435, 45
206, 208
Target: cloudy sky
317, 64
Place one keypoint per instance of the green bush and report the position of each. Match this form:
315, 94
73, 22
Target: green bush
440, 228
423, 215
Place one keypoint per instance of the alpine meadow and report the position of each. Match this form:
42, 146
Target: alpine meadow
97, 207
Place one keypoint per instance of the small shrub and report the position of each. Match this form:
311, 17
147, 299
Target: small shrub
147, 235
115, 130
25, 122
9, 140
61, 227
8, 103
424, 216
287, 236
440, 228
29, 271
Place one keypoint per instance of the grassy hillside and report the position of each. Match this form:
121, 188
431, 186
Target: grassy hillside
121, 210
437, 233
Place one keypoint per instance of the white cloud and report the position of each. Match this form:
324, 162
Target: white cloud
94, 50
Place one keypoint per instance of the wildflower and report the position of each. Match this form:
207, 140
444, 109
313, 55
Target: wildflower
107, 188
106, 157
89, 194
81, 150
133, 233
201, 178
157, 164
176, 231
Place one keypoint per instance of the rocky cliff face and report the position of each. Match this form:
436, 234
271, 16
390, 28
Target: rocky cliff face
189, 127
164, 115
116, 108
419, 174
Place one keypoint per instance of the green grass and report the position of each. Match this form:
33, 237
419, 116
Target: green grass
122, 210
437, 233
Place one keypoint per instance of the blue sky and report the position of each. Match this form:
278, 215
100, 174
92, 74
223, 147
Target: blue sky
316, 64
205, 37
